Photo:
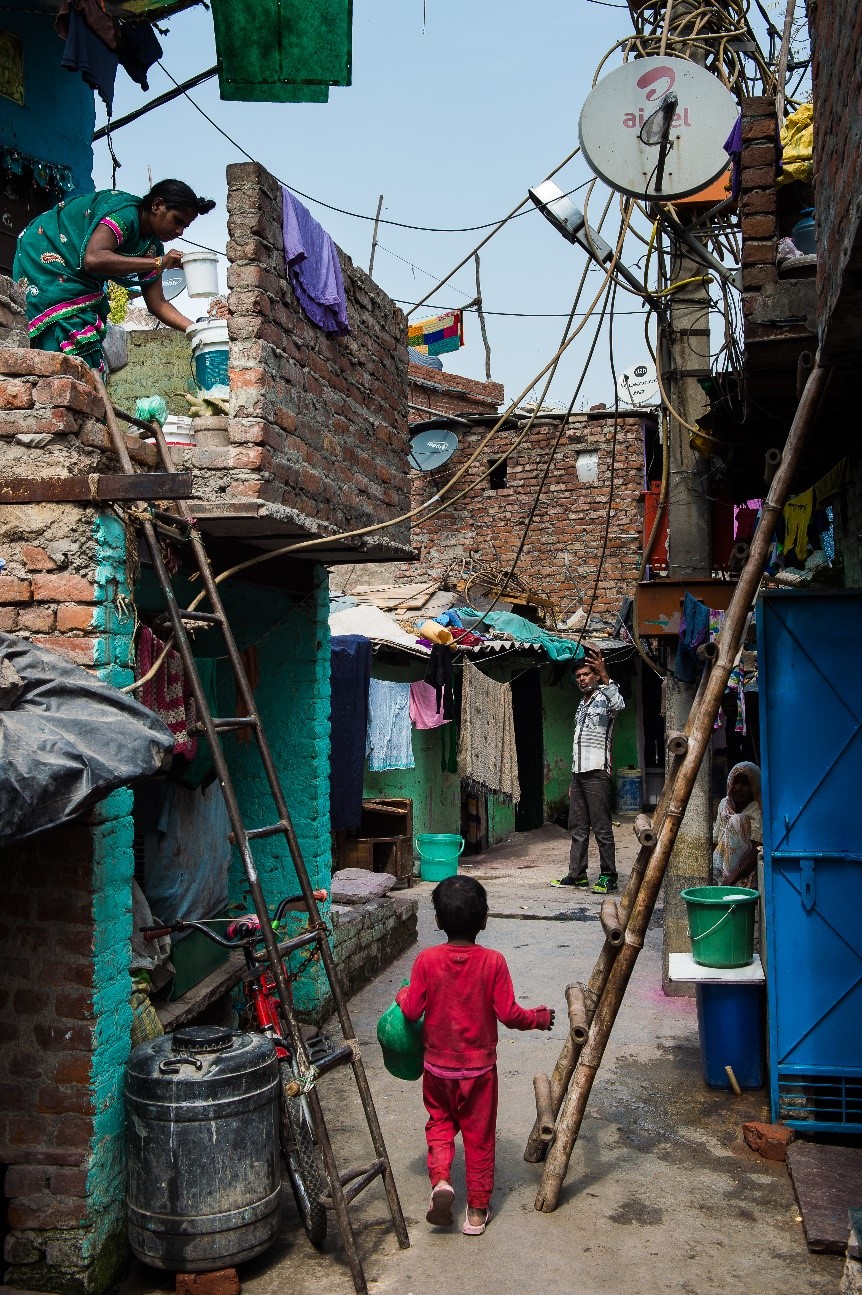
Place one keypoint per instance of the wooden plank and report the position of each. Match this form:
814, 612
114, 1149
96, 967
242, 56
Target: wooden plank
97, 488
828, 1183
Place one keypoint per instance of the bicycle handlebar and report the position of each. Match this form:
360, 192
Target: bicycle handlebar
151, 933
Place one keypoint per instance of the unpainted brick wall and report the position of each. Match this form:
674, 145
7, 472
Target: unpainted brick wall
318, 423
566, 537
449, 393
836, 47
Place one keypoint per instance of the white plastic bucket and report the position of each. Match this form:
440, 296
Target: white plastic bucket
201, 271
179, 430
210, 351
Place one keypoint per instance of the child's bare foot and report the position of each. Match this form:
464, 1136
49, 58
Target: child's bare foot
475, 1221
440, 1210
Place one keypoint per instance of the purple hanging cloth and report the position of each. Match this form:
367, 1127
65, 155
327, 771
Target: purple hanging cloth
313, 267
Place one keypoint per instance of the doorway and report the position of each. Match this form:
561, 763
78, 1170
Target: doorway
530, 749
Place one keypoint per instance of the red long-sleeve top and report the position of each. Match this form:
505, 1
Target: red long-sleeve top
464, 990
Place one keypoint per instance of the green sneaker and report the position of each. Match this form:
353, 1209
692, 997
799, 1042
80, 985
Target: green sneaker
605, 885
579, 883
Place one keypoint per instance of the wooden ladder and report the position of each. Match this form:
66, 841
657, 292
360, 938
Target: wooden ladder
344, 1186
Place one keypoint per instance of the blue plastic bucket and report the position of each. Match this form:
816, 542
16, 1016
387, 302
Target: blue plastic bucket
438, 854
210, 353
629, 791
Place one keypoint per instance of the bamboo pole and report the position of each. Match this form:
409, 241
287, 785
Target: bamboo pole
610, 920
544, 1111
572, 1110
536, 1150
576, 1001
644, 831
676, 742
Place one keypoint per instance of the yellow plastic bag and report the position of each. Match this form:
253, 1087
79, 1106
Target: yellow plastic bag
797, 143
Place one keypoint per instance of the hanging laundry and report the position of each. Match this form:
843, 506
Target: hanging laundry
423, 706
168, 694
313, 267
186, 849
744, 523
487, 759
93, 13
439, 675
448, 749
831, 484
797, 515
733, 148
87, 53
350, 671
693, 630
138, 48
389, 744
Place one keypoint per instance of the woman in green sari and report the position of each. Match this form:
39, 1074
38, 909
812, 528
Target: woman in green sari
66, 256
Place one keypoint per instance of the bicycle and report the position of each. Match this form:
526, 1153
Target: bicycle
262, 1014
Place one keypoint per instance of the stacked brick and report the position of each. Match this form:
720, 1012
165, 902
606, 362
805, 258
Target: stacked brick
318, 423
836, 47
449, 393
566, 548
758, 207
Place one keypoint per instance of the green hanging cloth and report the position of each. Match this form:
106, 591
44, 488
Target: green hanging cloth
283, 51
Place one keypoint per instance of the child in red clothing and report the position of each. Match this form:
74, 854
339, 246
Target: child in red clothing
463, 991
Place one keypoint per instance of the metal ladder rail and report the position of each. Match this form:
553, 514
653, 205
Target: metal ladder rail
352, 1181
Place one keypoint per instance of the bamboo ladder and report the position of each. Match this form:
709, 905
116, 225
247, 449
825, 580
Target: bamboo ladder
561, 1100
344, 1187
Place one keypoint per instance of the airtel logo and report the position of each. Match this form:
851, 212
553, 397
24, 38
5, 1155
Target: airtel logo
648, 82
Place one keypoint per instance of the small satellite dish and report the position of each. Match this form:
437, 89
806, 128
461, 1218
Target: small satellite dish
656, 127
173, 282
638, 387
429, 450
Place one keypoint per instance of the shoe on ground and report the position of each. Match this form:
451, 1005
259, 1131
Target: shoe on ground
476, 1229
440, 1209
579, 883
605, 885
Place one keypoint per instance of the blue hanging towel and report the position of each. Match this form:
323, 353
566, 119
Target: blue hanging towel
389, 743
350, 672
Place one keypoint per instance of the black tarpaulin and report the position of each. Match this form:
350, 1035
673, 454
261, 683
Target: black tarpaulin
67, 740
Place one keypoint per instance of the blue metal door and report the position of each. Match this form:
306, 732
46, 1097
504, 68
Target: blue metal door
811, 754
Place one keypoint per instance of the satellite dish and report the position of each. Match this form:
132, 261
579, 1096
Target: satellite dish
173, 282
637, 387
429, 450
656, 128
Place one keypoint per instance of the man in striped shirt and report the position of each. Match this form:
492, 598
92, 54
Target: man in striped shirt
590, 792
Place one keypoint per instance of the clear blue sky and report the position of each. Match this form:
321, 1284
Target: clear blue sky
452, 115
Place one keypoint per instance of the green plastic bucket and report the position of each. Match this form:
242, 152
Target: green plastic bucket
721, 924
438, 854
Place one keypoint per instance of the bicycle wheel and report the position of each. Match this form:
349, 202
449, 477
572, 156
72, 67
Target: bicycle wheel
304, 1165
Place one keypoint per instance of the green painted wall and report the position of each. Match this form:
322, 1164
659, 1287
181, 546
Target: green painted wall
436, 795
159, 365
559, 704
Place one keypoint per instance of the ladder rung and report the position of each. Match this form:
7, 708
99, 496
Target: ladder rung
208, 618
355, 1182
240, 721
258, 833
340, 1057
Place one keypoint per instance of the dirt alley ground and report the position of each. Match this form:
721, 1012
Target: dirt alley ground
662, 1193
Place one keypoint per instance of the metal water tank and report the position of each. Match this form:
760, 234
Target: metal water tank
204, 1166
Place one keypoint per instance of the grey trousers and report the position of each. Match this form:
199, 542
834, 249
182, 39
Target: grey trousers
590, 807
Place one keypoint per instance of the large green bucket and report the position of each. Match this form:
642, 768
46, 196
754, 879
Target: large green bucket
438, 854
721, 924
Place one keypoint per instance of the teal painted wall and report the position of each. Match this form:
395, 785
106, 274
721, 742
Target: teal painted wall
113, 867
55, 122
436, 795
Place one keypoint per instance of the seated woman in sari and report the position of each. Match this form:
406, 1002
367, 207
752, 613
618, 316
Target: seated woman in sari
738, 829
66, 256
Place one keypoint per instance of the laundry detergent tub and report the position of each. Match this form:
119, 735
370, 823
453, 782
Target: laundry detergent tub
438, 854
210, 353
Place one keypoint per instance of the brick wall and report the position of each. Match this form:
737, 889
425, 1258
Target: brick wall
64, 1004
318, 423
773, 309
449, 393
565, 540
836, 47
